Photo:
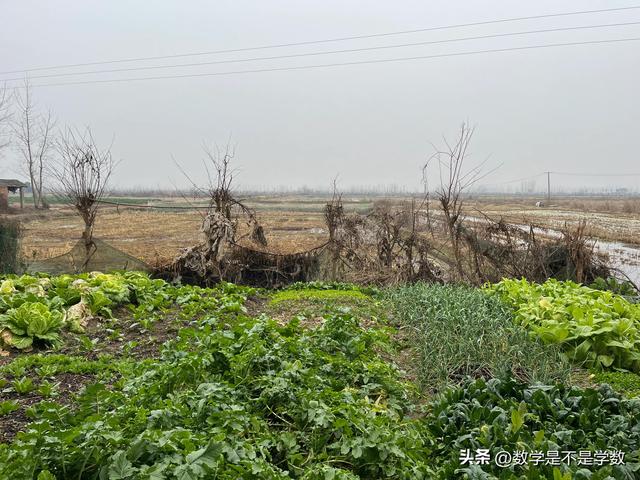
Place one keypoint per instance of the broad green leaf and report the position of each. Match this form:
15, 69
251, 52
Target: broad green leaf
120, 467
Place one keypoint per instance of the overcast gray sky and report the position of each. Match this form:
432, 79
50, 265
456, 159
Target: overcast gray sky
565, 109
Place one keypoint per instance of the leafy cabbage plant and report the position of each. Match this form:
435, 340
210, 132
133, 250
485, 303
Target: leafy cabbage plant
7, 287
30, 322
114, 286
597, 329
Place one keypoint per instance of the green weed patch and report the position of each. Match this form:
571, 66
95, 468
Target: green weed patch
318, 295
626, 383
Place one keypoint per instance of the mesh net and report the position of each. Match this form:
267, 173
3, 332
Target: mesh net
103, 257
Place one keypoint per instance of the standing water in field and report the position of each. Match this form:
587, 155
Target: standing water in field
623, 257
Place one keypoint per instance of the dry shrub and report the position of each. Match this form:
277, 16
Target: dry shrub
383, 246
404, 242
393, 243
497, 250
221, 256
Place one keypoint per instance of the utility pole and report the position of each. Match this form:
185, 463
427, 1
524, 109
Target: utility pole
548, 186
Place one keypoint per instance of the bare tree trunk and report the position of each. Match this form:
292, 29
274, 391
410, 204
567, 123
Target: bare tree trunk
5, 117
26, 139
33, 135
212, 259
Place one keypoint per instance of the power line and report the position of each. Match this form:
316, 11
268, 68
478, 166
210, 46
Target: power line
597, 174
341, 64
548, 173
328, 40
330, 52
517, 179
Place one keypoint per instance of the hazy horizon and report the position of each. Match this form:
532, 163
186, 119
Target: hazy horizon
569, 109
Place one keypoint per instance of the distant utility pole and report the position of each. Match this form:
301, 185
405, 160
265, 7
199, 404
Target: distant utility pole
548, 186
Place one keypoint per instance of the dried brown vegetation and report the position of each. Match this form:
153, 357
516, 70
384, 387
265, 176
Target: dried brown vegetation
382, 246
228, 252
497, 250
410, 241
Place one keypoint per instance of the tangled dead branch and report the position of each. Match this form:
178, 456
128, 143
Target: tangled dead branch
394, 242
383, 246
223, 254
496, 249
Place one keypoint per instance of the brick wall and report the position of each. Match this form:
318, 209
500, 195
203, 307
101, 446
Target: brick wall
4, 198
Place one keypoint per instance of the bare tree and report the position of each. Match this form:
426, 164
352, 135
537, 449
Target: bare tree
455, 181
33, 132
334, 210
220, 222
83, 171
220, 185
223, 199
5, 116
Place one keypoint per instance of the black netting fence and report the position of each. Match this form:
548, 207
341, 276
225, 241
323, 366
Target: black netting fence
101, 257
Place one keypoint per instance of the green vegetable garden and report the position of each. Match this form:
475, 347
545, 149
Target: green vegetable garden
121, 376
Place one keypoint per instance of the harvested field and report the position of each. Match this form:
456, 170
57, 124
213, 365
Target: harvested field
157, 236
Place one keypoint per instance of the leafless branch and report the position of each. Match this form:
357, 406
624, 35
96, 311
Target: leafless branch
82, 172
33, 133
455, 181
6, 99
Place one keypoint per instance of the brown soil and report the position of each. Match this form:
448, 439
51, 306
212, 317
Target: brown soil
113, 342
255, 305
147, 345
69, 384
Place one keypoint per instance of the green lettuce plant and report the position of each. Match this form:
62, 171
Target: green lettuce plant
29, 323
597, 329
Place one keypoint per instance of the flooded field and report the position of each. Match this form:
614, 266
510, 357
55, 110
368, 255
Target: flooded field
623, 257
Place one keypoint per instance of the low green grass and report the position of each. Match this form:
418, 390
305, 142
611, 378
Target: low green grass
458, 332
319, 295
627, 383
312, 305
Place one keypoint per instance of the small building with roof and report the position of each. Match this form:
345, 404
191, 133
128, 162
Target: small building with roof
11, 185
